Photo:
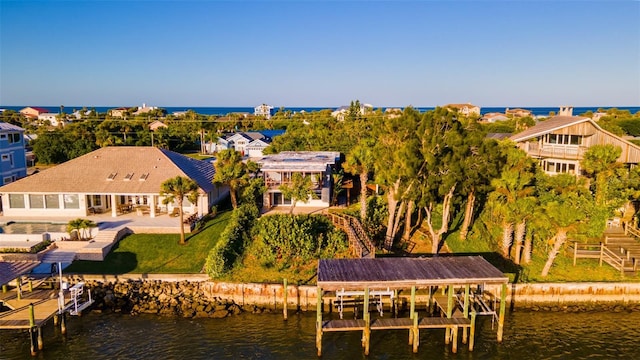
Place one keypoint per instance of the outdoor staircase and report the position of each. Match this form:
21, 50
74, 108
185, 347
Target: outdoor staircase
359, 243
620, 249
626, 245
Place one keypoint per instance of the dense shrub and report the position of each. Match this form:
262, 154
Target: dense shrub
232, 241
292, 240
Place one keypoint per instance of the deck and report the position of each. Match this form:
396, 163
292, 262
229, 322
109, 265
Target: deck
45, 306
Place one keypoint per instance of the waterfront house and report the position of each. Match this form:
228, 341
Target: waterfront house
560, 142
112, 180
13, 161
263, 110
467, 109
279, 168
33, 112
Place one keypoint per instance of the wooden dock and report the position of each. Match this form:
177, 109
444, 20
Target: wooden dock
453, 305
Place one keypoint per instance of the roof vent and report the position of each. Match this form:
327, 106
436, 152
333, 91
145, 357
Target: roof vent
128, 177
144, 177
112, 176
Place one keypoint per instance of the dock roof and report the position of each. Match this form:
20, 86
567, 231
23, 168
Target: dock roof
401, 273
10, 270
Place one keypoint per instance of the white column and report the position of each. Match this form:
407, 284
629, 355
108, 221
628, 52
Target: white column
114, 206
152, 206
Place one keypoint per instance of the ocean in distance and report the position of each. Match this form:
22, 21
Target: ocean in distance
527, 335
537, 111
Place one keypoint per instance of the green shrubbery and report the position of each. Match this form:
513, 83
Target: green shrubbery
284, 240
232, 241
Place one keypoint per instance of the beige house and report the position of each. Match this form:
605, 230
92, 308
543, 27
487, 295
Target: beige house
118, 112
114, 180
518, 112
33, 112
156, 124
560, 142
465, 109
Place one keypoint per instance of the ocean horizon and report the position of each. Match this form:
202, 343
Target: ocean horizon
224, 110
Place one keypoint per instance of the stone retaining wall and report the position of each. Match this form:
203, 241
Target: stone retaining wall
193, 295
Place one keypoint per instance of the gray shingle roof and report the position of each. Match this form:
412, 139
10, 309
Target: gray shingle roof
90, 173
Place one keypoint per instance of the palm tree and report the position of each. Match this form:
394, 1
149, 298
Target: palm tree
176, 189
231, 171
300, 189
360, 161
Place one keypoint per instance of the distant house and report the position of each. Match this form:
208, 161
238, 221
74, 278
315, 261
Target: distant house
493, 117
79, 114
13, 161
518, 112
110, 180
263, 110
560, 142
52, 118
249, 144
118, 112
144, 109
341, 112
465, 109
155, 125
278, 169
33, 112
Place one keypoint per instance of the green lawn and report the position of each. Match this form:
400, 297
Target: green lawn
157, 253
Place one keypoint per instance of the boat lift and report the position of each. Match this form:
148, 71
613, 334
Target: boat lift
77, 304
341, 294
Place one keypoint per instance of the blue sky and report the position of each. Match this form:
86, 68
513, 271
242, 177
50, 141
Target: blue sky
319, 53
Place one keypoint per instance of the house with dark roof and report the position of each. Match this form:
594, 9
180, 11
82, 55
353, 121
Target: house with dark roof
112, 180
560, 142
278, 169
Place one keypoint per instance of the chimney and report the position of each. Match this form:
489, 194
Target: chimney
566, 111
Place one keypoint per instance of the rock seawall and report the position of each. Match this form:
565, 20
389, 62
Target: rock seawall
181, 298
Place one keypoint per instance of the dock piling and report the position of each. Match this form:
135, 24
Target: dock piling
284, 301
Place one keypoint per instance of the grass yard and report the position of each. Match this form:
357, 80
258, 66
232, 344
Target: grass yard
158, 253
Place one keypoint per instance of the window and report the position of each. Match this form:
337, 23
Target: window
561, 139
7, 180
36, 201
14, 138
71, 201
52, 201
560, 167
49, 201
5, 157
97, 200
16, 201
3, 136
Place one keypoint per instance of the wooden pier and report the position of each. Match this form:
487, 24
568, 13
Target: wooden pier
453, 304
30, 305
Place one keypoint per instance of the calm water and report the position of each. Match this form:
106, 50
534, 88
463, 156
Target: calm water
528, 335
32, 228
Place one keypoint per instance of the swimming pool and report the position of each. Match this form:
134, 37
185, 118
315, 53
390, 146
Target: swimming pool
32, 228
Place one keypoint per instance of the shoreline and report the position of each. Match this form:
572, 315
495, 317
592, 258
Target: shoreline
189, 295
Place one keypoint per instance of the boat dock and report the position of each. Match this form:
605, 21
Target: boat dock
453, 287
32, 303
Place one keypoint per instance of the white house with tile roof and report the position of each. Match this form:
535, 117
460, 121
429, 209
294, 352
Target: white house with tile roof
112, 180
279, 168
560, 142
465, 109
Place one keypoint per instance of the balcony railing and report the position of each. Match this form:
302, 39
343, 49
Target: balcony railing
556, 151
